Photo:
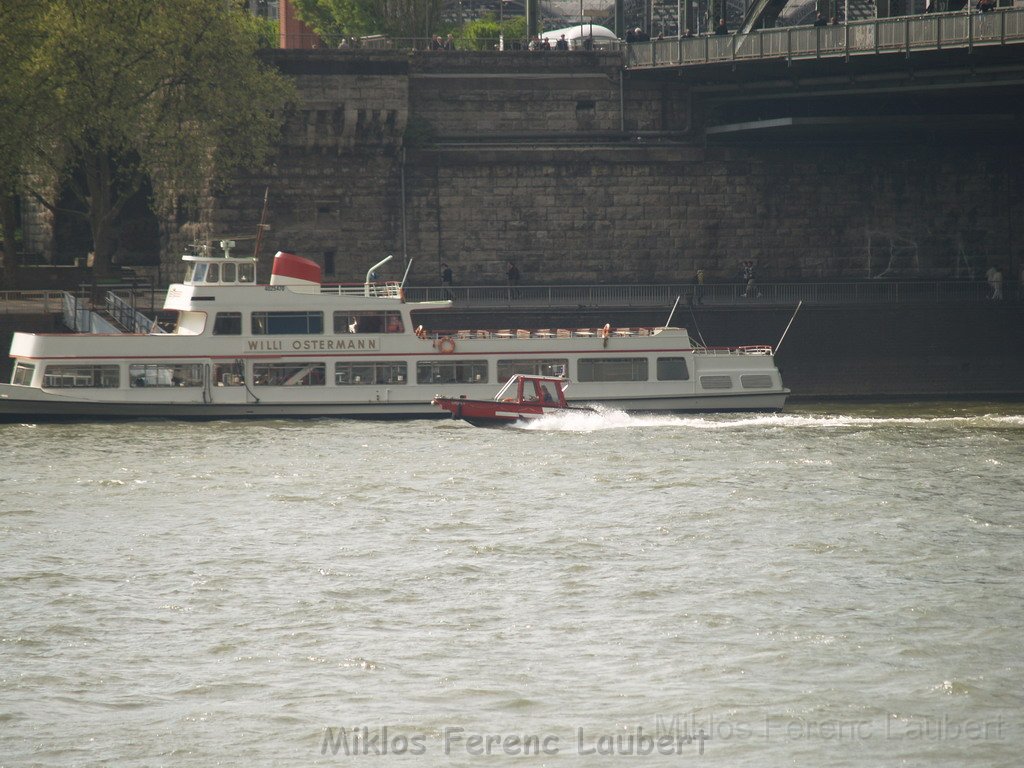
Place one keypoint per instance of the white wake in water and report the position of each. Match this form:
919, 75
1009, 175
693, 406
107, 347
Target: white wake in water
608, 418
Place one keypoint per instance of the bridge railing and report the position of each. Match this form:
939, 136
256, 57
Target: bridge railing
893, 35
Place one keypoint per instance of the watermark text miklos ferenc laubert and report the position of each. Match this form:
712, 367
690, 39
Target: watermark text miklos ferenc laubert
678, 735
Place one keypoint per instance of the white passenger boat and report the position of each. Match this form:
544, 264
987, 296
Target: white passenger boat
297, 347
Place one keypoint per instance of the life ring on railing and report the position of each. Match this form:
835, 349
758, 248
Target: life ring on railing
606, 331
446, 345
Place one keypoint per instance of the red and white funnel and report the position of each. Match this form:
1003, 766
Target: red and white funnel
290, 269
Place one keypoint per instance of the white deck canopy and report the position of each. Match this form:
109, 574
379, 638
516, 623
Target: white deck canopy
575, 35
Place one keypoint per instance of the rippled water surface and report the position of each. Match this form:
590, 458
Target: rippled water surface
834, 586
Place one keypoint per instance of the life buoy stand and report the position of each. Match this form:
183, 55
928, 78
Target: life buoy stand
446, 345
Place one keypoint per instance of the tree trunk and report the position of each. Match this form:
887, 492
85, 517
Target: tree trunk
100, 188
9, 268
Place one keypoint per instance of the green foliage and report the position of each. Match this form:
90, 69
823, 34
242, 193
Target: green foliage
514, 29
480, 35
266, 31
140, 89
398, 19
26, 100
483, 34
27, 109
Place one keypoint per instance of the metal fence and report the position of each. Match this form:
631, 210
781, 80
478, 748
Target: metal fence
31, 302
126, 315
905, 35
618, 296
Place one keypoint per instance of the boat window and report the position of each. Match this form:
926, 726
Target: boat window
200, 272
227, 324
756, 381
190, 323
96, 376
165, 375
229, 374
672, 369
451, 372
548, 391
23, 374
213, 273
189, 267
368, 322
246, 273
371, 373
612, 369
229, 273
540, 367
295, 323
716, 382
288, 374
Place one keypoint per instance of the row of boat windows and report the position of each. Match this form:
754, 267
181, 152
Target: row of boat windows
376, 372
227, 272
307, 323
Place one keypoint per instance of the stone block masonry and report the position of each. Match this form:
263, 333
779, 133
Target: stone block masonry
581, 172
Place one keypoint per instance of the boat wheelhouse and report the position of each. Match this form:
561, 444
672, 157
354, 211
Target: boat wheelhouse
523, 398
296, 347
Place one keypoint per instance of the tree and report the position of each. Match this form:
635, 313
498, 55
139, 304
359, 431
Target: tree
337, 19
484, 34
147, 89
26, 107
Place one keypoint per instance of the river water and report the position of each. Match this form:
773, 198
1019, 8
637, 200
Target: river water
837, 585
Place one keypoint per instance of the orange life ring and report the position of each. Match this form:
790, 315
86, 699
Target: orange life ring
446, 345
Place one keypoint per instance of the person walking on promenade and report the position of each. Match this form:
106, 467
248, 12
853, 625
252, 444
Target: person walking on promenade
512, 274
997, 285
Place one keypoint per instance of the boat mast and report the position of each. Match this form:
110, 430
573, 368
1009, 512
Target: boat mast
262, 225
670, 314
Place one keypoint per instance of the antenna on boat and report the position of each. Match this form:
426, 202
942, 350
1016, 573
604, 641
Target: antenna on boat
262, 225
670, 314
408, 266
799, 304
371, 270
696, 327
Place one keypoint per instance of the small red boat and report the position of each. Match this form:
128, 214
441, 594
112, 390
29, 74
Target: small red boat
522, 398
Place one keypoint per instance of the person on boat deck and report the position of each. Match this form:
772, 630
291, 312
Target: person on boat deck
546, 395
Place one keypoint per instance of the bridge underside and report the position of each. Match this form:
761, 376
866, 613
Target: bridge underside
947, 93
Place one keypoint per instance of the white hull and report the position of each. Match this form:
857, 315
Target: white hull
22, 406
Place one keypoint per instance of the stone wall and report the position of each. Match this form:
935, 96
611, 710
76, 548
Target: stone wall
582, 173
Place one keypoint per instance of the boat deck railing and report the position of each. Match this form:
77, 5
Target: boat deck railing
536, 333
757, 349
384, 290
713, 294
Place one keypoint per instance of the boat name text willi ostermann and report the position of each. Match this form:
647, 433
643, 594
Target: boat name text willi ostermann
311, 345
